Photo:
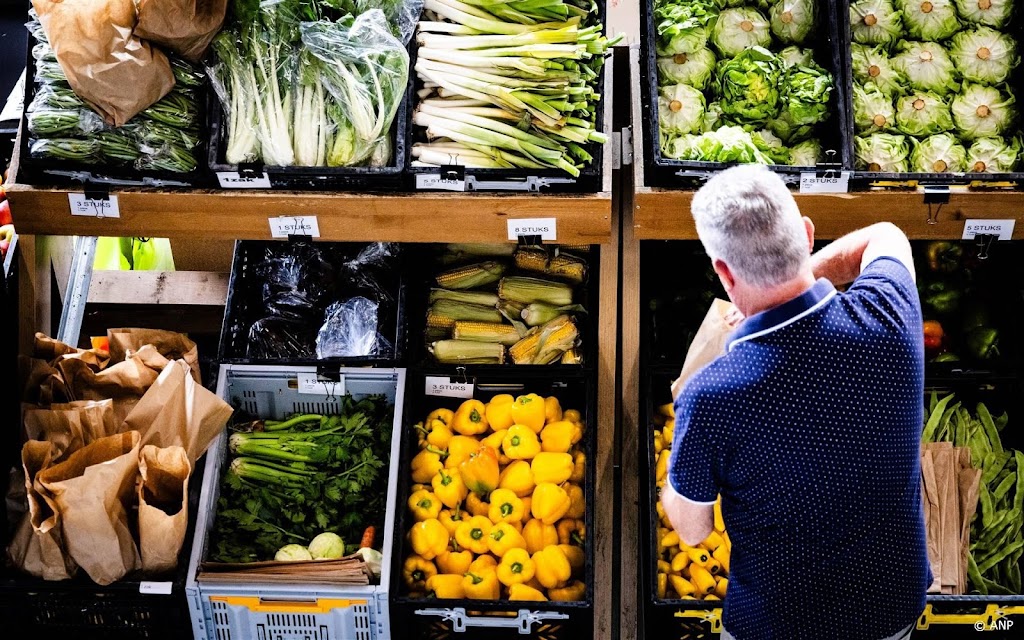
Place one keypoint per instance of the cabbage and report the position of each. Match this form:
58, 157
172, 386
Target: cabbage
886, 152
983, 55
680, 147
940, 153
771, 145
292, 552
682, 28
805, 93
993, 155
929, 19
748, 86
728, 144
922, 114
739, 29
926, 66
875, 22
680, 109
327, 546
793, 56
784, 127
792, 20
805, 154
992, 13
693, 68
712, 117
871, 65
872, 110
983, 112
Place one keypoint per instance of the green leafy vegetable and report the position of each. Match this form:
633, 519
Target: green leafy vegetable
805, 94
771, 145
885, 152
993, 155
682, 26
983, 112
872, 65
875, 22
793, 20
872, 110
680, 109
738, 29
793, 56
984, 55
922, 114
806, 154
940, 153
931, 20
926, 66
991, 13
694, 68
748, 86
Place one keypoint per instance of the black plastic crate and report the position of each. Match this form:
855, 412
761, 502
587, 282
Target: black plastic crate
433, 618
881, 178
124, 610
590, 180
245, 305
421, 280
665, 172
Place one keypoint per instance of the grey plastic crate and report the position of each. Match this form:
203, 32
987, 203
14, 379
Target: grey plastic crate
222, 611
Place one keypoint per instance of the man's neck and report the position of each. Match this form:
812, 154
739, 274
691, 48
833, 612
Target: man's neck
770, 298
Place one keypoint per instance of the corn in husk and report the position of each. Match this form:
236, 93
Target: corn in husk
560, 265
472, 297
445, 313
501, 333
468, 352
572, 356
472, 275
547, 343
538, 313
530, 290
463, 251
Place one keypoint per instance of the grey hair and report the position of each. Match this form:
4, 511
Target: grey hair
747, 218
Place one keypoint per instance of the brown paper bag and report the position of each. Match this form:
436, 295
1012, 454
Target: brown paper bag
114, 71
170, 344
949, 505
178, 411
90, 489
49, 349
95, 416
123, 383
40, 381
163, 506
62, 429
185, 27
709, 342
930, 498
969, 484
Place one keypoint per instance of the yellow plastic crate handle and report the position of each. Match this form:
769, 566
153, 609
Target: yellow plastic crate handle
992, 612
714, 616
259, 605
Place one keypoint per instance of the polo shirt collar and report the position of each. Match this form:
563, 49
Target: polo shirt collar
786, 313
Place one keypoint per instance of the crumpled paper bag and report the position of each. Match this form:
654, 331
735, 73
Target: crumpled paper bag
170, 344
710, 340
163, 505
185, 27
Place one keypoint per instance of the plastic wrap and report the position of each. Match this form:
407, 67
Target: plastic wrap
276, 337
46, 122
72, 149
56, 97
117, 146
234, 85
350, 330
42, 51
48, 72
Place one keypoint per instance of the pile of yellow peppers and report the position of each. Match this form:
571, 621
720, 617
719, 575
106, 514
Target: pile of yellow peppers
693, 573
498, 502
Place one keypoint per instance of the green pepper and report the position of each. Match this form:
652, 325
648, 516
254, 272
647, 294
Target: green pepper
945, 301
983, 342
944, 256
947, 356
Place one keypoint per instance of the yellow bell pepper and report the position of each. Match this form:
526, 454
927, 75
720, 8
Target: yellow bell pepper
539, 535
470, 418
456, 562
552, 567
424, 505
494, 441
571, 531
577, 503
499, 412
722, 555
449, 487
579, 467
425, 465
451, 519
572, 415
528, 411
572, 592
520, 443
481, 585
515, 567
550, 502
476, 506
459, 450
473, 533
682, 586
483, 563
558, 437
436, 430
518, 478
429, 538
527, 507
555, 468
662, 585
522, 592
505, 507
446, 586
480, 471
661, 466
442, 414
416, 571
577, 559
552, 410
503, 538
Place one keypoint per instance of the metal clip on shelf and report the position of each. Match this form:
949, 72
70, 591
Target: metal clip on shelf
524, 621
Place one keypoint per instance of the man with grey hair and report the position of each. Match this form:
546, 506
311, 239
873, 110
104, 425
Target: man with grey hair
809, 426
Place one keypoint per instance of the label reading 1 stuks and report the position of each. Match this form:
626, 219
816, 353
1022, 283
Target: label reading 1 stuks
429, 181
235, 180
156, 588
1001, 228
81, 205
834, 183
543, 227
446, 387
284, 226
311, 384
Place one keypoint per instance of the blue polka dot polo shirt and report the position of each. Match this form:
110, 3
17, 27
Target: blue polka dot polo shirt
809, 427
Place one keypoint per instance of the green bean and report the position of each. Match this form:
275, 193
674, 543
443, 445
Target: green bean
185, 74
999, 555
43, 51
975, 575
117, 146
64, 149
57, 97
987, 507
174, 110
50, 72
990, 427
936, 417
992, 470
1018, 496
1006, 481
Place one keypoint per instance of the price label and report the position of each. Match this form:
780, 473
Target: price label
443, 386
1003, 229
284, 226
235, 180
546, 228
156, 588
835, 183
93, 207
311, 384
427, 181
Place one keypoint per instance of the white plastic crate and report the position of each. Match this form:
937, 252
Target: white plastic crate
291, 612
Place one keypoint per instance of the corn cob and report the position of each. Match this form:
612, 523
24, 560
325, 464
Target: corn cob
538, 313
468, 352
574, 248
472, 297
524, 351
530, 290
545, 344
458, 252
472, 275
561, 265
444, 313
572, 356
531, 259
486, 332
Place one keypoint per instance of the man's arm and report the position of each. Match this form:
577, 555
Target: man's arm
843, 260
693, 521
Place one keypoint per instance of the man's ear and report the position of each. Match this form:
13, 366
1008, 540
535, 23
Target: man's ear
809, 226
725, 275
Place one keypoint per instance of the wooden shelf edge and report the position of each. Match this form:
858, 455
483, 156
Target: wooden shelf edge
419, 217
665, 215
192, 288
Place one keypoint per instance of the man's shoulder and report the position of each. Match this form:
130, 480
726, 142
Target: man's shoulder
728, 374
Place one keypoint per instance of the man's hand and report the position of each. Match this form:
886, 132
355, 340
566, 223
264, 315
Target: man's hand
842, 260
691, 520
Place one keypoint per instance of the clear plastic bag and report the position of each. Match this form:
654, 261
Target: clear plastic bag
56, 97
350, 330
47, 122
366, 273
69, 149
279, 338
42, 51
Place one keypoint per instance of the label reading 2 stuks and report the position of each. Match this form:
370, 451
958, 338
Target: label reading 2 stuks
543, 227
446, 387
1003, 229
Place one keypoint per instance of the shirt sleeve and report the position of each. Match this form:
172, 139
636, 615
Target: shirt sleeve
887, 285
693, 459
